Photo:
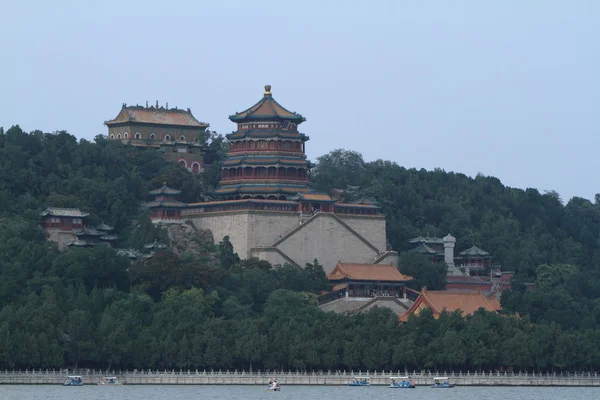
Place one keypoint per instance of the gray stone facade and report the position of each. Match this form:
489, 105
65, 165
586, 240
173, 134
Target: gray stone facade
287, 237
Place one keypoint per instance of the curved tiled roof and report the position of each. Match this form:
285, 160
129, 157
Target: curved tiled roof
266, 109
156, 116
230, 161
474, 251
426, 239
164, 189
262, 133
467, 302
165, 203
367, 272
424, 249
266, 188
63, 212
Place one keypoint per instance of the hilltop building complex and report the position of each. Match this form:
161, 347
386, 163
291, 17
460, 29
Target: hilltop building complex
175, 132
267, 205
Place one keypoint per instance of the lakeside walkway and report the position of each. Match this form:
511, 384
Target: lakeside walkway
172, 377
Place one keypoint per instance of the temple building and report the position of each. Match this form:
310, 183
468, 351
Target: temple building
267, 205
266, 158
61, 224
66, 227
470, 262
102, 235
175, 132
361, 287
465, 302
165, 207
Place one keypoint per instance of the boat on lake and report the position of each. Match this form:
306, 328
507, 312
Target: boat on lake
442, 383
273, 386
401, 382
110, 380
73, 380
360, 381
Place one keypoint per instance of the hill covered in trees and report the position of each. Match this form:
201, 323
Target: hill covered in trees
90, 307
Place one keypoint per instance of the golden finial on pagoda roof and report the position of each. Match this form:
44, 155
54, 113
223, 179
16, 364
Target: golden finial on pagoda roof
267, 89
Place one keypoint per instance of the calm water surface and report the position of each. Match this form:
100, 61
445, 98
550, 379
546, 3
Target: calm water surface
125, 392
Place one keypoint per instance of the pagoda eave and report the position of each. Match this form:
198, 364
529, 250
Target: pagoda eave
259, 118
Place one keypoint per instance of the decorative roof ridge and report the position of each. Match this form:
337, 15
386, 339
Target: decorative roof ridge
474, 250
164, 189
137, 107
65, 211
267, 96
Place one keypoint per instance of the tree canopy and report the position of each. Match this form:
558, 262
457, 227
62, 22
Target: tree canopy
94, 308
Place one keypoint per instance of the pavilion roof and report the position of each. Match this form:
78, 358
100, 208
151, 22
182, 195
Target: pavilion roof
314, 196
165, 204
89, 231
252, 201
79, 243
466, 302
267, 109
156, 116
474, 251
104, 227
424, 249
251, 160
164, 189
355, 205
262, 188
367, 272
63, 212
264, 133
426, 239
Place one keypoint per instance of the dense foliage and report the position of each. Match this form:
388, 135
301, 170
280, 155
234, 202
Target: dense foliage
90, 307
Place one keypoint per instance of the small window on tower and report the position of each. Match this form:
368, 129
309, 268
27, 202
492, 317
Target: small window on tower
152, 136
138, 135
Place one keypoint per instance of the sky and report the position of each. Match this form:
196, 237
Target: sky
509, 89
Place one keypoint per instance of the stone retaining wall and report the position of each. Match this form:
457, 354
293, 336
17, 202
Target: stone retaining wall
296, 378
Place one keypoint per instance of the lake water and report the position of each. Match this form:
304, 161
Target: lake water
23, 392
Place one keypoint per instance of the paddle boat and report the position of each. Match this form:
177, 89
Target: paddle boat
273, 386
73, 380
442, 383
110, 380
360, 381
401, 382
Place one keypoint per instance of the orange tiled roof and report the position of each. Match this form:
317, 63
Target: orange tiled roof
159, 116
367, 272
467, 302
316, 196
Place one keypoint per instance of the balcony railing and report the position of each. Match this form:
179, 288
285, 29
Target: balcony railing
254, 178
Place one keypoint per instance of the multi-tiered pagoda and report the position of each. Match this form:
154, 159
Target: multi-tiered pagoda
266, 158
266, 205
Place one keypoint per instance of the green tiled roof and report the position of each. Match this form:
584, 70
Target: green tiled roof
424, 249
426, 239
165, 203
266, 188
267, 134
474, 251
267, 109
264, 160
63, 212
164, 190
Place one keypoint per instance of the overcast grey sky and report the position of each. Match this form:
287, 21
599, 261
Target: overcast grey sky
505, 88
